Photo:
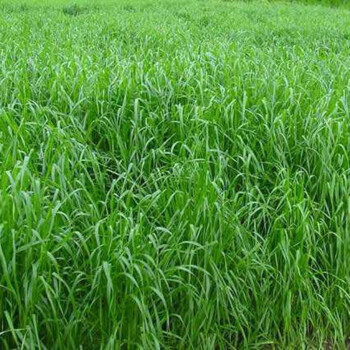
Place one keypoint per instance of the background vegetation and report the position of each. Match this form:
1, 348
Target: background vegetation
174, 175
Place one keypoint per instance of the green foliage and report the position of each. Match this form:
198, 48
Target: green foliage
73, 10
327, 2
174, 175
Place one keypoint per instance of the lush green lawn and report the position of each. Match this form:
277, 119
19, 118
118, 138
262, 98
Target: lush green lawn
174, 175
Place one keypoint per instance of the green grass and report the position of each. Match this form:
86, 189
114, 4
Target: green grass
174, 175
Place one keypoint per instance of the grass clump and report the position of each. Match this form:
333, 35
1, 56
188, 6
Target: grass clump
175, 177
74, 9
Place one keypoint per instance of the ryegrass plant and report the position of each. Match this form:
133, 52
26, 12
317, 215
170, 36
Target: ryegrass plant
174, 175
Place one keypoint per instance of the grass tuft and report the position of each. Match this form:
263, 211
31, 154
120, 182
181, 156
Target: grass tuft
74, 9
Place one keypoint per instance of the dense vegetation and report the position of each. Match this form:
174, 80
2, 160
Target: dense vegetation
174, 175
333, 3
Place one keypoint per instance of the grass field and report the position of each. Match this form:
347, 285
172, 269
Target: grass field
174, 175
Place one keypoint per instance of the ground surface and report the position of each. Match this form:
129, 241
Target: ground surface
174, 175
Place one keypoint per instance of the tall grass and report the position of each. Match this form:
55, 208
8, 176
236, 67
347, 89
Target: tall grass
174, 175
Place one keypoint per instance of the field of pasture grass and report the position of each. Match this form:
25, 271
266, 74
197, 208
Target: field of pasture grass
174, 175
